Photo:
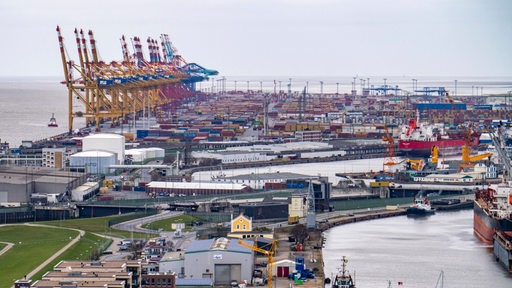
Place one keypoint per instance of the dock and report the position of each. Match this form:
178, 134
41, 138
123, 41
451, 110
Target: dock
312, 252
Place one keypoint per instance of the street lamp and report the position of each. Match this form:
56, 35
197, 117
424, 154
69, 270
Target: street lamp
455, 87
337, 88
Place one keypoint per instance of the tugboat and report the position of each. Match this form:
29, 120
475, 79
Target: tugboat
421, 206
53, 122
343, 279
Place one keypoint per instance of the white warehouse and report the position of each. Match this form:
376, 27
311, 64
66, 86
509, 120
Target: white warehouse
234, 156
113, 143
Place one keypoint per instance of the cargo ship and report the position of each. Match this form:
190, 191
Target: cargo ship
418, 138
492, 220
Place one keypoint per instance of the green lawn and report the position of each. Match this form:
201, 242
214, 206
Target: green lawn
2, 246
97, 225
165, 224
32, 246
89, 247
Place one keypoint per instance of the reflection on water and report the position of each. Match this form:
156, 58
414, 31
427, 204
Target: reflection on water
414, 250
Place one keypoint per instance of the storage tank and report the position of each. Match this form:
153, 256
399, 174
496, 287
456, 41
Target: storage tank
137, 155
155, 153
96, 162
113, 143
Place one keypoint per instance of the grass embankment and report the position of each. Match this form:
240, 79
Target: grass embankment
32, 246
99, 225
89, 247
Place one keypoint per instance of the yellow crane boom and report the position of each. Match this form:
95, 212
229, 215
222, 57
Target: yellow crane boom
269, 253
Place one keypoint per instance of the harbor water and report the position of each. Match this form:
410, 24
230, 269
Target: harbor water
414, 251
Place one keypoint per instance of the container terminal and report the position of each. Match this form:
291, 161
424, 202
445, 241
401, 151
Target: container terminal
149, 130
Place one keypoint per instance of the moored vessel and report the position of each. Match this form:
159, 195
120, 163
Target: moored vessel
418, 138
421, 206
343, 279
493, 212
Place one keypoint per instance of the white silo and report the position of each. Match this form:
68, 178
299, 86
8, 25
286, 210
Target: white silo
155, 153
138, 155
95, 162
113, 143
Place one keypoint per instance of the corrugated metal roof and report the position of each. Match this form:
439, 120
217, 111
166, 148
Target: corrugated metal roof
269, 176
196, 185
216, 245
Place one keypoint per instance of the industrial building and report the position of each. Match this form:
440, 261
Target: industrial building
221, 259
17, 184
298, 205
308, 136
158, 188
263, 181
234, 156
265, 210
124, 273
54, 157
85, 191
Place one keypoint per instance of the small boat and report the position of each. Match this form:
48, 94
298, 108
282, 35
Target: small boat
421, 206
53, 122
343, 279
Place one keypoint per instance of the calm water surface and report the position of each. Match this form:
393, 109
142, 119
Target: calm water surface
414, 251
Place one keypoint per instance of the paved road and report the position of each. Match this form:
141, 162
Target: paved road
6, 248
135, 225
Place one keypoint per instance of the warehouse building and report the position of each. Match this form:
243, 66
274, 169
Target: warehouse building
17, 184
222, 260
159, 188
234, 156
265, 210
263, 181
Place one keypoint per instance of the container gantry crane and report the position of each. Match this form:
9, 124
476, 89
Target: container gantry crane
119, 88
269, 253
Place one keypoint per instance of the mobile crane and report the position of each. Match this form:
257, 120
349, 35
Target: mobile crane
269, 253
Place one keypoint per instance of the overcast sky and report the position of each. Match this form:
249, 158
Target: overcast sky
273, 37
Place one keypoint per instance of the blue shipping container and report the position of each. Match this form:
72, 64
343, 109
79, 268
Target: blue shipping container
142, 133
